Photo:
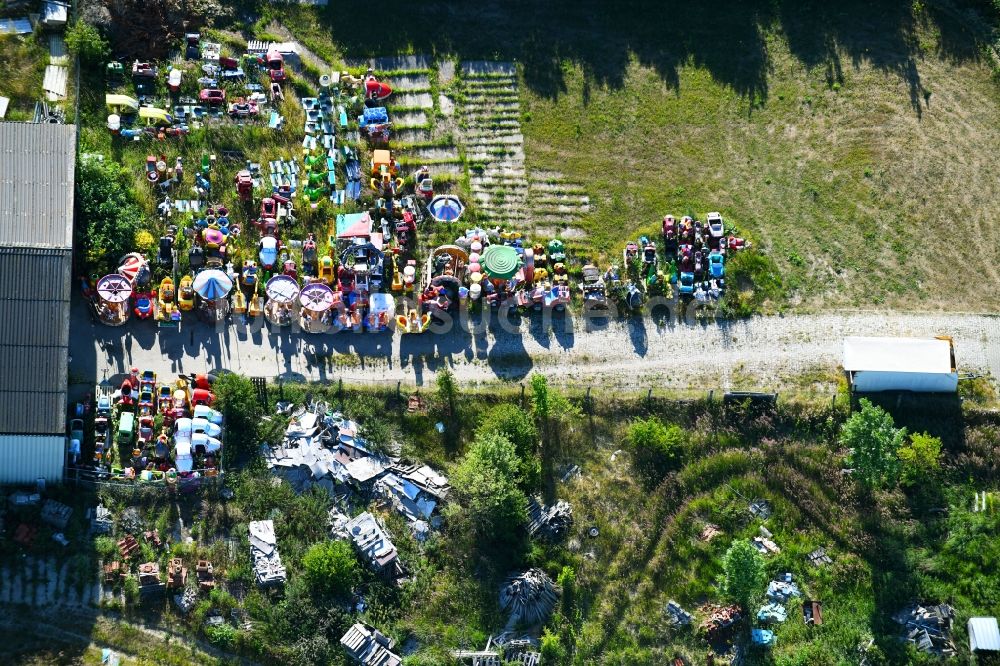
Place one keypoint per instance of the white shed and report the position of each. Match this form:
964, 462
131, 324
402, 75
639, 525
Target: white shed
923, 365
984, 635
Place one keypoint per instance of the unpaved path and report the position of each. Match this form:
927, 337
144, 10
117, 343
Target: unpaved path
768, 352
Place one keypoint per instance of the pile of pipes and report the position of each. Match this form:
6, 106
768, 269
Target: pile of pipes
929, 628
549, 522
528, 598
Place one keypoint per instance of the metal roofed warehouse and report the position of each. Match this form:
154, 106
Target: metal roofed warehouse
36, 257
925, 365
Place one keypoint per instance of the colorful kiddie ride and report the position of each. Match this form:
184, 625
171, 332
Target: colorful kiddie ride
374, 89
165, 311
282, 292
244, 185
696, 254
412, 321
185, 294
319, 308
274, 62
110, 299
595, 293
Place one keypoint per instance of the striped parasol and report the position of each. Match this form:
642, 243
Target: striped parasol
131, 264
445, 208
212, 284
114, 288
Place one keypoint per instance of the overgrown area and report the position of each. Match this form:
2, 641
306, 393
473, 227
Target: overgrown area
660, 491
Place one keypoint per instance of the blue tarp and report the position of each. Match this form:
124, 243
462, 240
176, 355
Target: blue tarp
762, 637
376, 115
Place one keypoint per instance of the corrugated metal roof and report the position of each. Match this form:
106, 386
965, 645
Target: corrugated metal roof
984, 636
36, 184
15, 27
35, 287
25, 458
55, 82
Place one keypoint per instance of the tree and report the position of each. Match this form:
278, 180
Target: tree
874, 441
656, 448
446, 390
84, 40
331, 568
487, 482
567, 584
237, 400
744, 577
108, 213
920, 459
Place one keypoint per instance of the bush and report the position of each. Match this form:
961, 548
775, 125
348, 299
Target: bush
131, 589
84, 40
656, 448
242, 412
744, 576
753, 280
105, 547
108, 214
920, 459
223, 635
513, 423
331, 568
552, 649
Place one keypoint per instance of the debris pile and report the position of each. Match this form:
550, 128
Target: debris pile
369, 647
206, 575
267, 566
56, 514
149, 579
772, 612
709, 532
765, 546
760, 508
819, 557
186, 600
372, 542
100, 518
678, 616
177, 574
782, 589
503, 649
528, 598
128, 546
812, 612
413, 490
549, 522
929, 628
718, 621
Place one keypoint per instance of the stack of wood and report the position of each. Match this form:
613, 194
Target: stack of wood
528, 598
128, 546
549, 522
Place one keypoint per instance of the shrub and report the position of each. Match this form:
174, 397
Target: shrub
743, 574
242, 412
131, 589
105, 547
874, 440
84, 40
513, 423
567, 584
656, 448
553, 651
331, 568
920, 459
223, 635
108, 213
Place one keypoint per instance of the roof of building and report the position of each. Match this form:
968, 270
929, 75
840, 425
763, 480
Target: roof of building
371, 540
984, 635
36, 185
35, 289
919, 355
369, 646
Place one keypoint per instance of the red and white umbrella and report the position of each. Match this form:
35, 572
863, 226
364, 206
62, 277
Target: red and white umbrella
131, 264
316, 297
114, 288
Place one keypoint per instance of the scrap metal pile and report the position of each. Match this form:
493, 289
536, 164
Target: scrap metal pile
929, 628
267, 566
528, 598
550, 522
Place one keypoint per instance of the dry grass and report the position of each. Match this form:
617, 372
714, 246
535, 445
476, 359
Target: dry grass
871, 187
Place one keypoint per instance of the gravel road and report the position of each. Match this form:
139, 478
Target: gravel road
763, 351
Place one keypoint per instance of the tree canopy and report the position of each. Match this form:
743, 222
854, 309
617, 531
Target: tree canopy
331, 568
874, 440
920, 458
488, 482
242, 412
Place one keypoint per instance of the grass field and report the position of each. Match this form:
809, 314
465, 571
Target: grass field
854, 143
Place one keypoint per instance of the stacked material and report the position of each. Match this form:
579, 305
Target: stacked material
528, 598
549, 522
929, 628
267, 566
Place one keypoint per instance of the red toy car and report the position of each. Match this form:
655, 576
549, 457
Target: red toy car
212, 96
143, 305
